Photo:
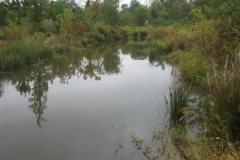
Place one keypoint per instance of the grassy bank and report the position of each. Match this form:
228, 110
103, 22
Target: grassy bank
210, 61
214, 69
30, 49
20, 53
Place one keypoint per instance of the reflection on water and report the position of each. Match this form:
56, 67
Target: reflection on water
39, 94
87, 65
81, 105
1, 89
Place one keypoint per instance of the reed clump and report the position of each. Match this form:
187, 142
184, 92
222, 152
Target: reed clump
165, 40
177, 100
224, 108
23, 52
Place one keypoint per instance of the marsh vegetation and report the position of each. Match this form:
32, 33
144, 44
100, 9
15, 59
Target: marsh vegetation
198, 37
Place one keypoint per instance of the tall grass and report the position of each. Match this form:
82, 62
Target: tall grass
200, 147
224, 111
194, 66
177, 100
165, 41
23, 52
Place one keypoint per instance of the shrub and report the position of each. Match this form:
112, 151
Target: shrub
84, 41
194, 66
49, 26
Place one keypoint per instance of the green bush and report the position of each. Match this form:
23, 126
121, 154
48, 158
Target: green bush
194, 66
160, 47
84, 41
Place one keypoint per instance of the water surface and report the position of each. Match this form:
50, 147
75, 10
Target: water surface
75, 107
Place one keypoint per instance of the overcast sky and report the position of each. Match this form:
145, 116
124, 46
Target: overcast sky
128, 1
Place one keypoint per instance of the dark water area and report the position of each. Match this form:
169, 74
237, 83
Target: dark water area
84, 106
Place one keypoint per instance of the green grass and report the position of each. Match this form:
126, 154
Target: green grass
200, 147
194, 66
224, 109
19, 53
178, 99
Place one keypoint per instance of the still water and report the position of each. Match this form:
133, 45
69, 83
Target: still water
85, 106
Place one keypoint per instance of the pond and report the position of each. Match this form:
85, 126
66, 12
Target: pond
81, 106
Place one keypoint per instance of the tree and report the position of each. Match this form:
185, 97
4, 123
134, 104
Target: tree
155, 9
96, 9
37, 9
124, 7
142, 14
87, 4
57, 8
3, 14
127, 18
110, 12
134, 4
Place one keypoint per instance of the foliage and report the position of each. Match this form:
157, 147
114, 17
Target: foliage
194, 67
49, 26
176, 101
199, 147
137, 33
134, 4
110, 12
96, 9
143, 15
164, 11
87, 4
14, 31
224, 104
20, 53
203, 38
3, 14
56, 8
127, 18
65, 20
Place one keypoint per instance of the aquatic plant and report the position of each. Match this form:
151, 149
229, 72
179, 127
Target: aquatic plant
177, 99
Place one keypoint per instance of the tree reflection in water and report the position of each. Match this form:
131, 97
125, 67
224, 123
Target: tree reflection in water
39, 94
33, 81
90, 63
1, 89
